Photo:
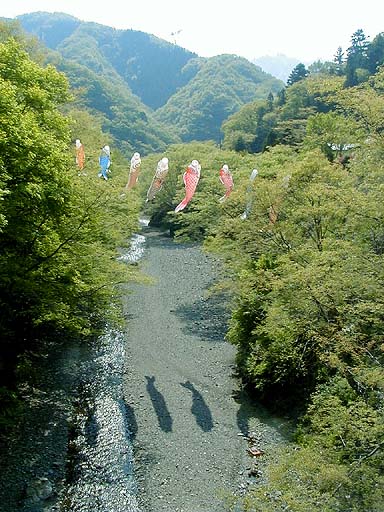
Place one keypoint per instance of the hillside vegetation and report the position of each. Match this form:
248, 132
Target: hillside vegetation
222, 85
60, 230
150, 92
150, 67
304, 267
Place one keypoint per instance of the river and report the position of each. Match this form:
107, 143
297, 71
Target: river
151, 419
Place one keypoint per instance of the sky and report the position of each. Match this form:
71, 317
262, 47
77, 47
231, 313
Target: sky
305, 30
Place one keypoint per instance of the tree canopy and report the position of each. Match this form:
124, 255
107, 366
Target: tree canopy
53, 223
304, 267
305, 271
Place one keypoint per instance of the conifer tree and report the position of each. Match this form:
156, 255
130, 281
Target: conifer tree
298, 73
339, 60
357, 59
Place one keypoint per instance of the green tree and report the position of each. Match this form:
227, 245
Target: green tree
281, 97
335, 135
54, 223
375, 53
298, 73
357, 59
324, 68
339, 61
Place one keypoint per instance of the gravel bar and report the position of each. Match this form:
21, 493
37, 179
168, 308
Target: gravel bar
189, 424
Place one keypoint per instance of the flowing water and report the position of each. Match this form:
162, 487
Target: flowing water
74, 450
100, 464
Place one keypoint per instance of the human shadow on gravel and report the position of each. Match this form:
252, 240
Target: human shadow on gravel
158, 402
199, 408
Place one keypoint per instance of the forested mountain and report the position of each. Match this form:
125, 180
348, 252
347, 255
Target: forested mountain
133, 74
222, 85
301, 247
151, 67
131, 123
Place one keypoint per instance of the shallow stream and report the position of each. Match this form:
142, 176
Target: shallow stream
72, 450
101, 434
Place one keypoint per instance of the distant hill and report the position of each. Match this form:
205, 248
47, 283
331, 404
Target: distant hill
51, 29
151, 67
124, 116
279, 66
151, 92
220, 88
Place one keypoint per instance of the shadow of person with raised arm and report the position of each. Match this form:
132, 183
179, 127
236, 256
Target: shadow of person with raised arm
199, 408
158, 402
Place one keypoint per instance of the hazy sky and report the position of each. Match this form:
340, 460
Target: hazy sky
306, 30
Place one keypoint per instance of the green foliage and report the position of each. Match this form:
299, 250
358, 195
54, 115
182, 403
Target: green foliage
357, 60
307, 283
11, 408
364, 103
283, 121
59, 230
54, 28
333, 134
305, 267
375, 54
222, 85
338, 463
324, 68
95, 83
131, 124
126, 74
298, 73
308, 288
197, 220
152, 68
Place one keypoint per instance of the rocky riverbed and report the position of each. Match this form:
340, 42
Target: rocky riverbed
147, 420
190, 421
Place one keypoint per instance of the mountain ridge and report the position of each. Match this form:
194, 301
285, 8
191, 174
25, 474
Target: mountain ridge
192, 95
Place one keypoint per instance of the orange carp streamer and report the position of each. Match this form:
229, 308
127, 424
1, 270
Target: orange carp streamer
227, 180
80, 155
191, 179
158, 179
134, 171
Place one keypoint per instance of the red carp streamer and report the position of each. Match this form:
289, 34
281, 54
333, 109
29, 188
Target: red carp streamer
227, 180
191, 179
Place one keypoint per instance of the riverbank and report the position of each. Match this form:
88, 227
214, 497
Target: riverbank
146, 420
70, 451
187, 419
